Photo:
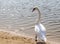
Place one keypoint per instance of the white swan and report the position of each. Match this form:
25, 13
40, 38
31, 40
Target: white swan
39, 28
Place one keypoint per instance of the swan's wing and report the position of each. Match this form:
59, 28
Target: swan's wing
42, 27
39, 27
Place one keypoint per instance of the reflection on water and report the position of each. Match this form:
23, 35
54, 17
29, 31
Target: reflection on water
16, 16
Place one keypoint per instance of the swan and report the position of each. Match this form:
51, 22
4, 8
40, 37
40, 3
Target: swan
40, 30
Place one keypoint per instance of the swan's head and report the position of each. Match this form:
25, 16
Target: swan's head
34, 9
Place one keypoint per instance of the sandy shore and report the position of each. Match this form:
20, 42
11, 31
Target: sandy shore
7, 38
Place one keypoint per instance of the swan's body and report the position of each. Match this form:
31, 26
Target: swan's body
40, 32
39, 28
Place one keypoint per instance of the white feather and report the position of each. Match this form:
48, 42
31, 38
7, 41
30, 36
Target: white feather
40, 31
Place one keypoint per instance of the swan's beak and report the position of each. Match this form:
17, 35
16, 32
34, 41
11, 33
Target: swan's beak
33, 9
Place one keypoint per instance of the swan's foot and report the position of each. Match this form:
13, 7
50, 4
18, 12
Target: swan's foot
42, 43
45, 42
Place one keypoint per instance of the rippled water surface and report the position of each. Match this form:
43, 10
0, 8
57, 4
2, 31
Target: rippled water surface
17, 16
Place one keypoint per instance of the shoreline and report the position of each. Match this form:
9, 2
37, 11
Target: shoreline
7, 37
16, 34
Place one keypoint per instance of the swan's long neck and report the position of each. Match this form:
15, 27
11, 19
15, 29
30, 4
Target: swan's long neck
38, 21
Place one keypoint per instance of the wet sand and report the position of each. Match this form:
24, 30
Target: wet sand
7, 38
10, 38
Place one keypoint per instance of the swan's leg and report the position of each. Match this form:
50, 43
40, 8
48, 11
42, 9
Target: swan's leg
36, 38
